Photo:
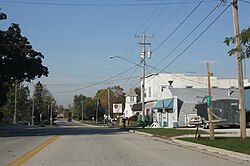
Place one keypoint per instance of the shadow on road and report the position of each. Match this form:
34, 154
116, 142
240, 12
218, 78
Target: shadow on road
62, 129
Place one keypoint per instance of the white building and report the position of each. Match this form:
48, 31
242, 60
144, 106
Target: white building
131, 98
172, 97
158, 83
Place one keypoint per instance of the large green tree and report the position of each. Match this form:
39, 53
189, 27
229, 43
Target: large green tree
23, 105
18, 60
77, 106
42, 99
244, 48
116, 95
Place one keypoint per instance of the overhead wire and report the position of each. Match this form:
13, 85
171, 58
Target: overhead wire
100, 82
188, 35
169, 18
92, 4
197, 37
151, 15
183, 21
155, 18
245, 1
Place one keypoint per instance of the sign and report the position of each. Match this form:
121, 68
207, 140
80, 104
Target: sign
117, 108
208, 101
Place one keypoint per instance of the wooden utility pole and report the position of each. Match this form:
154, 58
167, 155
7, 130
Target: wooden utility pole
143, 54
209, 106
97, 108
239, 67
109, 112
15, 111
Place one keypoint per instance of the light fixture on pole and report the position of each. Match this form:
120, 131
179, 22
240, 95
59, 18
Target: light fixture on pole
143, 54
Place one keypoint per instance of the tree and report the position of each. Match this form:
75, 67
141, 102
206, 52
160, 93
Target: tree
42, 99
77, 106
244, 48
102, 96
89, 108
23, 104
16, 50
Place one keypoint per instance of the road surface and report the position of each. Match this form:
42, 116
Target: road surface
76, 145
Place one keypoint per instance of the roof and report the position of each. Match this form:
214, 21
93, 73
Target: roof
197, 94
131, 92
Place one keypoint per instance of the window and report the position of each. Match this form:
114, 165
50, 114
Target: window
149, 92
132, 99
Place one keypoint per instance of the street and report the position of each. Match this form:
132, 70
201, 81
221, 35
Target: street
75, 144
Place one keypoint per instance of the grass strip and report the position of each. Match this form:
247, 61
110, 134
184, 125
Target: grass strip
227, 143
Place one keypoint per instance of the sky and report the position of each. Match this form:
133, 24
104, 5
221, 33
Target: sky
77, 38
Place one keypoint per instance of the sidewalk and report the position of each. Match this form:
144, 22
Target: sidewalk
202, 147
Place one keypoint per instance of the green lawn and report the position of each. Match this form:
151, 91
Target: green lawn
228, 143
167, 133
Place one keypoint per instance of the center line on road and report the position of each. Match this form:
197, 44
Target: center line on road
20, 160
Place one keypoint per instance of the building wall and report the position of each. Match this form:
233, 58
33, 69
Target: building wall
158, 87
157, 82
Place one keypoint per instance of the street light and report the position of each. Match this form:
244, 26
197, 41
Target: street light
130, 61
142, 81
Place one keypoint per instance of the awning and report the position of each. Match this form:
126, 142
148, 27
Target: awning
137, 107
166, 103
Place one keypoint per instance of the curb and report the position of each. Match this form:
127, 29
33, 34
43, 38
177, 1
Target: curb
141, 133
201, 147
214, 150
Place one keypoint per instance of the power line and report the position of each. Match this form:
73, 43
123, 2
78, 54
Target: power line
149, 16
197, 38
188, 35
156, 16
245, 1
93, 4
67, 91
169, 18
178, 26
193, 40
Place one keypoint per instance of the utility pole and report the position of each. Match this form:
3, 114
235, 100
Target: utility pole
109, 112
239, 67
97, 107
51, 114
15, 112
32, 112
82, 109
209, 105
143, 53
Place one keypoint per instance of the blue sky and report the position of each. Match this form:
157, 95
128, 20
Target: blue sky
77, 37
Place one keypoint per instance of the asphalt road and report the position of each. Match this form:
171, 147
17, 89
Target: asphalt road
74, 144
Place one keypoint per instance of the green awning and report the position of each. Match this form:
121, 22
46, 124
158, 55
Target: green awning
166, 103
